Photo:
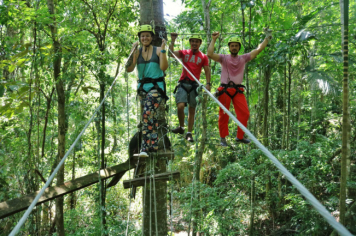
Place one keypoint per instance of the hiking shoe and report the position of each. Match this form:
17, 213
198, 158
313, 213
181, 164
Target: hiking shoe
178, 130
189, 137
143, 154
244, 140
223, 142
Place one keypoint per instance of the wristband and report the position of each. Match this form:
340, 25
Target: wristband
208, 83
163, 51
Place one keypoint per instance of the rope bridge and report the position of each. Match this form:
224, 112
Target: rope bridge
312, 200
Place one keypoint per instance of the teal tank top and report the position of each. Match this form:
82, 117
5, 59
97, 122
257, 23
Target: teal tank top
149, 69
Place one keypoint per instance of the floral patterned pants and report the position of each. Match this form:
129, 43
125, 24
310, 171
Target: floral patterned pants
151, 102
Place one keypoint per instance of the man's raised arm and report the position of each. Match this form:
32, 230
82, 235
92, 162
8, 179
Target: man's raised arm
171, 45
262, 46
211, 54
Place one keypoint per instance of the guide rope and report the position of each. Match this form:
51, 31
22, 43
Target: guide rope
34, 202
312, 200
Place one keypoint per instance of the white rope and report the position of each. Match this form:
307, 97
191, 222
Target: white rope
144, 201
150, 196
154, 197
128, 217
128, 143
171, 165
312, 200
34, 202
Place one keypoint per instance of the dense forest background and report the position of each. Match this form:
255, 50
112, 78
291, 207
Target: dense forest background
58, 58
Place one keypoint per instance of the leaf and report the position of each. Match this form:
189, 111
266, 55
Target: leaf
21, 61
303, 35
18, 55
12, 68
243, 6
6, 107
23, 90
85, 90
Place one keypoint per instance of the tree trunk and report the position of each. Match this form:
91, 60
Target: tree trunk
73, 195
61, 112
201, 146
267, 75
252, 200
345, 157
152, 12
289, 102
284, 139
102, 159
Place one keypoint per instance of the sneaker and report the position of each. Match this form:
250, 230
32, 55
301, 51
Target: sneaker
178, 130
189, 137
143, 154
223, 142
244, 140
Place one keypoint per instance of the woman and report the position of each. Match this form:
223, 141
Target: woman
151, 63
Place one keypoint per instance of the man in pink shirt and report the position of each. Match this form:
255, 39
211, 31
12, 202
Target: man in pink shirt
185, 92
231, 88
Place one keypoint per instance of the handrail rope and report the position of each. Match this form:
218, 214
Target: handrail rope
30, 208
279, 30
312, 200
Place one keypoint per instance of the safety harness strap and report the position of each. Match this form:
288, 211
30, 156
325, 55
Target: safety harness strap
155, 86
238, 87
194, 85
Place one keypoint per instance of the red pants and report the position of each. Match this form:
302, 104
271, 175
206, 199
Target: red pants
241, 110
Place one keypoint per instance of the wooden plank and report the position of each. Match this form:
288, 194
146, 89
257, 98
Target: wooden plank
19, 204
158, 177
168, 155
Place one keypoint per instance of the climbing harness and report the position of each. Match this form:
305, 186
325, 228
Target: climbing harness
188, 85
239, 88
146, 80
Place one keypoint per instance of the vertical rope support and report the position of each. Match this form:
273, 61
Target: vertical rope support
150, 196
128, 141
171, 164
154, 198
144, 200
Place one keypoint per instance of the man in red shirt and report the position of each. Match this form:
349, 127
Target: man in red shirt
232, 70
185, 92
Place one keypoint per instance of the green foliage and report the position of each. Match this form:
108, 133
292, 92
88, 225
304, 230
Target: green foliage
305, 48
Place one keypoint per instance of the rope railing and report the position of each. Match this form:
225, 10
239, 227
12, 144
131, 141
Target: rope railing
304, 191
34, 202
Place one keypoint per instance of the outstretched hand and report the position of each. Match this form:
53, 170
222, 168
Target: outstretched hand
134, 47
163, 45
215, 35
268, 33
174, 36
